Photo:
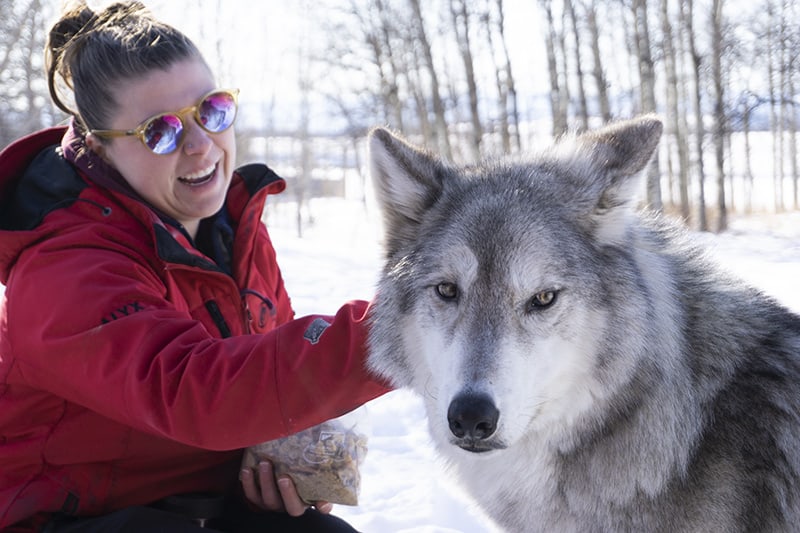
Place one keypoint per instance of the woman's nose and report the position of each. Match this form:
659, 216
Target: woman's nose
198, 140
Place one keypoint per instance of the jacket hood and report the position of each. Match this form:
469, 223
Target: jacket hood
35, 180
46, 182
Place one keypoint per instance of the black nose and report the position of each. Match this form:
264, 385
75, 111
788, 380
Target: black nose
473, 416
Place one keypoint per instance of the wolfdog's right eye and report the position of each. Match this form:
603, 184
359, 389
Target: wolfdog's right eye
447, 290
542, 300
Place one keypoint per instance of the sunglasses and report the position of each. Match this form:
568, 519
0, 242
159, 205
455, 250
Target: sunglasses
163, 133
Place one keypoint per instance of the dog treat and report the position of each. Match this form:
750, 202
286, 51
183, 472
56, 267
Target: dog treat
322, 461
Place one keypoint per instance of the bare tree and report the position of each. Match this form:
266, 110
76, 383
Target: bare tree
565, 96
462, 26
746, 107
510, 84
583, 108
676, 134
351, 45
422, 92
494, 23
774, 55
302, 184
502, 128
791, 45
687, 17
442, 134
598, 72
386, 60
648, 92
411, 74
783, 96
557, 90
719, 111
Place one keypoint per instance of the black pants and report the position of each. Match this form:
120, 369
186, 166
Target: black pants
236, 518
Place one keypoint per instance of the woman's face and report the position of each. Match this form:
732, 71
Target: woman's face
190, 183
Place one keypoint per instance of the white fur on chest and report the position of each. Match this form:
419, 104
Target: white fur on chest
517, 487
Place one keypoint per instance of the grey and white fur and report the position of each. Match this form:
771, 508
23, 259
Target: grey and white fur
584, 365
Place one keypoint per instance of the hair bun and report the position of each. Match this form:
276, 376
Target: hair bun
123, 9
77, 16
88, 52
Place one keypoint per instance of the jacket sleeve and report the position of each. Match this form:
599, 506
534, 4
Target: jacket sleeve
157, 369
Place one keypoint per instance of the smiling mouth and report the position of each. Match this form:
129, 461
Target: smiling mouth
199, 178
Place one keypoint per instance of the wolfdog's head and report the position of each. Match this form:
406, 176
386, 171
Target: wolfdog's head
503, 282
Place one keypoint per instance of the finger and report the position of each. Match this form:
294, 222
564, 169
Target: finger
324, 507
294, 505
249, 486
270, 495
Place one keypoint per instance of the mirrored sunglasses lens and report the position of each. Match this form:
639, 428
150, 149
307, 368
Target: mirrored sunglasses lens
217, 112
163, 134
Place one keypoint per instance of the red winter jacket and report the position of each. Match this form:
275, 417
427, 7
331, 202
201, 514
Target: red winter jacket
132, 366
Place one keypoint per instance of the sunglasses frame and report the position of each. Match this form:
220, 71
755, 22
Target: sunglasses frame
139, 130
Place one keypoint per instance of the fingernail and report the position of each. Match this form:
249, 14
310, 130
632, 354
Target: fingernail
325, 508
244, 472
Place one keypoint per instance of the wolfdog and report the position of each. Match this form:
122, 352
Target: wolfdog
583, 363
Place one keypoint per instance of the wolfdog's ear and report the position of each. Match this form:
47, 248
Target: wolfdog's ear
624, 148
407, 179
612, 182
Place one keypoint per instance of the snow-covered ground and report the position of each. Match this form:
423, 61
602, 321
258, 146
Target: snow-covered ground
404, 487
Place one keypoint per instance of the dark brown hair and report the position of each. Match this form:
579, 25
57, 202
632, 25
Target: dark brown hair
91, 54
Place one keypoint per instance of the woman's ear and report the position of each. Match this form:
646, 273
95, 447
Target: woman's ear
94, 144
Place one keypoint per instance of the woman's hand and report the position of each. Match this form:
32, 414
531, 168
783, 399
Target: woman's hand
267, 492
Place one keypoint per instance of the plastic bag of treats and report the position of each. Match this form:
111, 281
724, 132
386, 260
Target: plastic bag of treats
322, 461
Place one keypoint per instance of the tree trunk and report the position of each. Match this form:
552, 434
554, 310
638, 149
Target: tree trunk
748, 164
791, 118
648, 93
676, 135
461, 26
419, 95
511, 87
719, 112
388, 68
551, 39
597, 72
698, 109
773, 113
583, 111
303, 180
564, 95
442, 133
502, 90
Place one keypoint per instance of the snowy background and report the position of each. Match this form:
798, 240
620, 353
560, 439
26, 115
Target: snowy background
405, 488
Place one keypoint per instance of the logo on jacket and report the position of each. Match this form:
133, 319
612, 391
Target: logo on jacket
315, 330
125, 310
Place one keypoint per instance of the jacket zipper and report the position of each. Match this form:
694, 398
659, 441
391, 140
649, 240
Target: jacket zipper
219, 320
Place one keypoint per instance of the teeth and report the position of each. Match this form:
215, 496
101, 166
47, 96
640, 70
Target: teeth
197, 175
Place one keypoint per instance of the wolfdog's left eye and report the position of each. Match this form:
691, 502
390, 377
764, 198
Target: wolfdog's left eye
447, 290
542, 299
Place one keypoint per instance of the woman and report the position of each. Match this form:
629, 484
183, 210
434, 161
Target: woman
146, 336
